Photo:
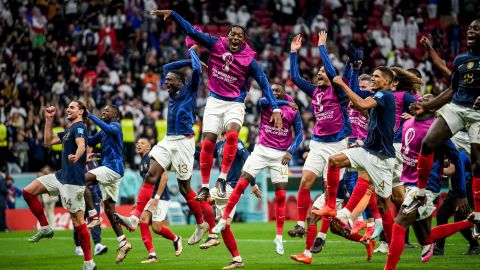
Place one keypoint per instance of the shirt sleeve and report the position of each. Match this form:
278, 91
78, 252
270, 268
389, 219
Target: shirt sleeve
60, 135
196, 76
264, 102
80, 132
347, 71
300, 82
262, 81
175, 65
298, 129
408, 99
379, 98
202, 38
94, 140
112, 128
329, 69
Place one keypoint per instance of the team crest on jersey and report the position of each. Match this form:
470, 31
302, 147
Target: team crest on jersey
470, 65
228, 60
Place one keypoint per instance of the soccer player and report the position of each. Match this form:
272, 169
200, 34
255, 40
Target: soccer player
420, 215
108, 176
461, 112
231, 63
332, 125
177, 149
69, 182
273, 152
376, 156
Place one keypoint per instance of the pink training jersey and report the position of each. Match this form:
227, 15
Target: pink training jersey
398, 94
277, 138
227, 71
413, 133
328, 112
359, 123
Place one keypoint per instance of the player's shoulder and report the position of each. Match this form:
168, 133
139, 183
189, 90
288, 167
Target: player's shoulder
459, 59
79, 128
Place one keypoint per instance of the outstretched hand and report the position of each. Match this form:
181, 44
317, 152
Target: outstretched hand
296, 43
164, 13
322, 38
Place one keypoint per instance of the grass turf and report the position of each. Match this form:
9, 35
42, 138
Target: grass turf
255, 243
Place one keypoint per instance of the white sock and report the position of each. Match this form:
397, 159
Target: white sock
212, 235
88, 262
153, 254
223, 221
360, 218
45, 227
279, 237
370, 224
176, 238
122, 240
322, 235
346, 212
237, 259
307, 253
378, 221
205, 185
134, 219
223, 176
301, 223
92, 213
477, 215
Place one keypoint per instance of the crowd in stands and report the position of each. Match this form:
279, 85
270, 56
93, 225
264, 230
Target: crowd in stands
112, 52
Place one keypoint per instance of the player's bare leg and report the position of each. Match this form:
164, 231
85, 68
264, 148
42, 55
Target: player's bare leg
280, 208
94, 218
303, 203
30, 193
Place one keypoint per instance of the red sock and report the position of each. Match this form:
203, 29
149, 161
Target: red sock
229, 150
84, 239
387, 220
424, 166
194, 206
144, 196
206, 160
208, 215
229, 241
311, 234
396, 247
372, 204
476, 193
357, 194
445, 230
355, 237
325, 224
235, 197
146, 236
167, 233
333, 177
280, 208
36, 207
303, 203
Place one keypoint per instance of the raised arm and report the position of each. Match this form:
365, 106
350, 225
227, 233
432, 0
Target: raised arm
196, 76
92, 141
437, 61
112, 128
47, 133
264, 102
202, 38
301, 83
322, 43
175, 65
358, 102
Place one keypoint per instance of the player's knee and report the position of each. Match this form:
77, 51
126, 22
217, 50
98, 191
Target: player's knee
428, 144
334, 161
476, 168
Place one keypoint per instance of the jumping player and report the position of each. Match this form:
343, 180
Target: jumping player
177, 150
332, 125
273, 151
461, 112
231, 63
108, 176
69, 182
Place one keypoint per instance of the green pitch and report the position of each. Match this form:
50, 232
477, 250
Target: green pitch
255, 242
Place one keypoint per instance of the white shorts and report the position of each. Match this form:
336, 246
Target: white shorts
398, 167
317, 159
71, 195
425, 210
459, 117
320, 203
380, 170
221, 203
461, 141
219, 113
109, 182
159, 214
177, 152
267, 158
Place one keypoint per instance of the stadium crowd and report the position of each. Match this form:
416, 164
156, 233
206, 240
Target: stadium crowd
112, 52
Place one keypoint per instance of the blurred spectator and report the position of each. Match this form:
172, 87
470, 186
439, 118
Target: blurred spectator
398, 32
13, 193
432, 6
412, 32
128, 130
129, 186
3, 200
